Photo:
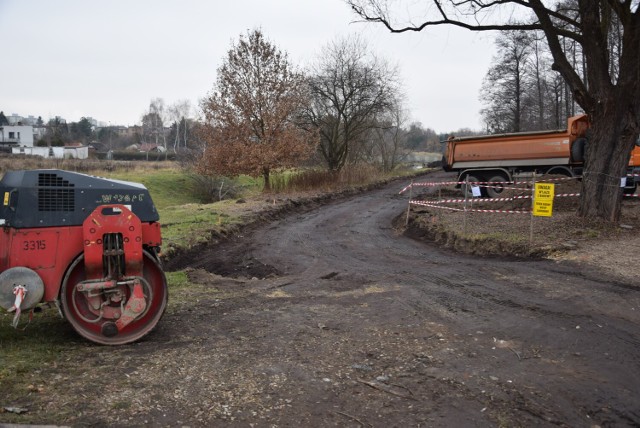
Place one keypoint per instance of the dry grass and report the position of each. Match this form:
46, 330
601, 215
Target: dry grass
90, 166
326, 181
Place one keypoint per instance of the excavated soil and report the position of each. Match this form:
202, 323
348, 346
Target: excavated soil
508, 233
332, 316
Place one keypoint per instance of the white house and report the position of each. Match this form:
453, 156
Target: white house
20, 135
53, 152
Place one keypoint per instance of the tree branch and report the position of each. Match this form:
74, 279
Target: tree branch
382, 18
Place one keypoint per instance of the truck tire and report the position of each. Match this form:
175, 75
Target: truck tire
559, 170
445, 165
495, 190
467, 190
630, 190
579, 149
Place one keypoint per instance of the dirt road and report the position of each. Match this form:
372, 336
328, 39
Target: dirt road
332, 318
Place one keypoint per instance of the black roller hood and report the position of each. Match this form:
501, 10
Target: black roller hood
51, 197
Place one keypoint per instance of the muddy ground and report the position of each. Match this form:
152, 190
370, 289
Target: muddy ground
333, 317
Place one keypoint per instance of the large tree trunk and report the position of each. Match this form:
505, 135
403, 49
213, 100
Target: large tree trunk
611, 140
613, 105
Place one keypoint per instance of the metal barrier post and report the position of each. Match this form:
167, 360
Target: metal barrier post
533, 196
466, 195
406, 222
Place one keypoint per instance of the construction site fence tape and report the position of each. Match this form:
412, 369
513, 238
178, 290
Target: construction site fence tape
484, 183
493, 183
424, 203
451, 201
438, 203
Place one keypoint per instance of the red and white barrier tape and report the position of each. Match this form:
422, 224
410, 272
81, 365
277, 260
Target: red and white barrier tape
447, 201
423, 203
491, 184
502, 211
437, 204
483, 183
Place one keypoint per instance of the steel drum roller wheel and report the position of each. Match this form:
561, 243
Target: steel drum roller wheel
78, 312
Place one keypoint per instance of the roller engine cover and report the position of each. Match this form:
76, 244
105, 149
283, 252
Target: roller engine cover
48, 198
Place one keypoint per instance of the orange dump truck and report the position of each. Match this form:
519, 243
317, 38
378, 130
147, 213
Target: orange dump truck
507, 157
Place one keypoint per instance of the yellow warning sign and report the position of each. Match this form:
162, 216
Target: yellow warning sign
544, 191
543, 200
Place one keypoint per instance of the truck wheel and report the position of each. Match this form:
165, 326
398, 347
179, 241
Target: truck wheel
467, 190
496, 189
579, 149
630, 190
445, 166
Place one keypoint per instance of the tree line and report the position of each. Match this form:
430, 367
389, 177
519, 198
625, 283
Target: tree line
521, 92
265, 114
169, 126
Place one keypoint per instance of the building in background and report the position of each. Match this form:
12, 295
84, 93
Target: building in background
16, 135
80, 152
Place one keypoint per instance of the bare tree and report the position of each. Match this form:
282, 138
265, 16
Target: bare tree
610, 95
349, 88
251, 114
153, 123
178, 112
421, 139
520, 91
539, 70
505, 85
389, 137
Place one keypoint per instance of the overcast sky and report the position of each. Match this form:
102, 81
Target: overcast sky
108, 59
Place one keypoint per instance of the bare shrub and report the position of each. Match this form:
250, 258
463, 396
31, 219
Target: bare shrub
210, 189
324, 180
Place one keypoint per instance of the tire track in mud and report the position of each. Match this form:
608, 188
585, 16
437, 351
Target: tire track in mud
551, 343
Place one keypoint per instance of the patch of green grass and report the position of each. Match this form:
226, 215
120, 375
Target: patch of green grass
168, 187
190, 224
185, 221
591, 233
121, 405
177, 280
24, 352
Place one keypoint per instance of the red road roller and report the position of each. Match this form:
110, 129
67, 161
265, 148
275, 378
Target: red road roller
89, 245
